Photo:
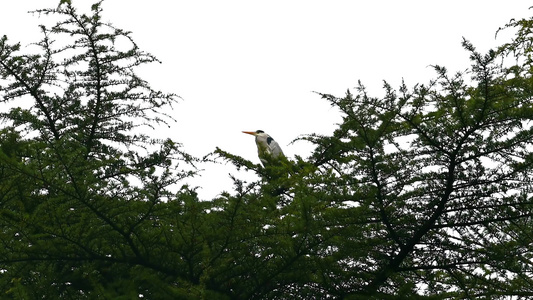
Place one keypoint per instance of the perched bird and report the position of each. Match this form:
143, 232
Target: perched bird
267, 148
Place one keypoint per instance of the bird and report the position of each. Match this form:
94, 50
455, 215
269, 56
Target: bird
267, 148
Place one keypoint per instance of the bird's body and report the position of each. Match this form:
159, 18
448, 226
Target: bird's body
267, 148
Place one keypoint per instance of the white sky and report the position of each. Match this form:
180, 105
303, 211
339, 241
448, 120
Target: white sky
248, 65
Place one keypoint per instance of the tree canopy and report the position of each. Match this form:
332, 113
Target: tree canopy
422, 193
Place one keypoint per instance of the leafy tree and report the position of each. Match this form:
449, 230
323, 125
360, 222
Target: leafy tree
82, 186
423, 193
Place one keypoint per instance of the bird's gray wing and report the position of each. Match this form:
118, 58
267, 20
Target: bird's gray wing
273, 146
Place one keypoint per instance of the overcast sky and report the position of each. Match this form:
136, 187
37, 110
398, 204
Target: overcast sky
248, 65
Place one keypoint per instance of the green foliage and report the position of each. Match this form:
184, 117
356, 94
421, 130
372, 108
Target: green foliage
82, 193
424, 193
421, 193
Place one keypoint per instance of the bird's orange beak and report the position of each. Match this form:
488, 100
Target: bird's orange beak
250, 132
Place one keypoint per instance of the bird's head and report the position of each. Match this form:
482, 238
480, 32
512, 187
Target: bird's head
256, 133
